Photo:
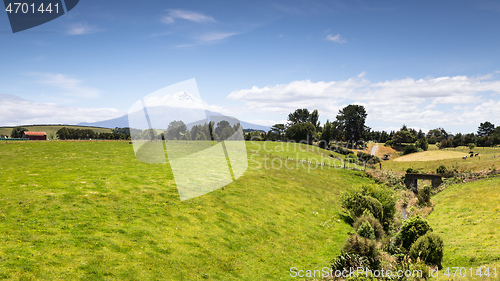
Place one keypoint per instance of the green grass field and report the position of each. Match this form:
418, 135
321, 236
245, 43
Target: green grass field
489, 158
467, 217
298, 151
90, 210
51, 129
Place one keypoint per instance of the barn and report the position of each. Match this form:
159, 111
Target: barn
35, 135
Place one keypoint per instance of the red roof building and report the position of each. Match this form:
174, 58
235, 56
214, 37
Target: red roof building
35, 135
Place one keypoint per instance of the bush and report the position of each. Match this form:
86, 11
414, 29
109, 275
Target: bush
368, 158
351, 201
411, 171
410, 149
301, 132
340, 149
378, 230
412, 229
424, 195
347, 261
429, 248
356, 204
384, 196
441, 169
422, 144
351, 156
366, 230
358, 245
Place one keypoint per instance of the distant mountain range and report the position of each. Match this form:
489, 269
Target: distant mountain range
122, 122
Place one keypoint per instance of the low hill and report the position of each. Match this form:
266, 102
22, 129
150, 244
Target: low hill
467, 217
90, 210
51, 129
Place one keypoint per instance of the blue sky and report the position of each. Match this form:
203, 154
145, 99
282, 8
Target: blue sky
425, 64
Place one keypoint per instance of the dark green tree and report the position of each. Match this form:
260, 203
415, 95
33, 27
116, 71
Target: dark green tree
301, 132
18, 132
420, 134
279, 129
313, 118
402, 137
351, 121
175, 130
485, 129
437, 135
299, 116
422, 144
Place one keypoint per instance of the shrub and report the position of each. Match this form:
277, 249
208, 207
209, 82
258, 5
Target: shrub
424, 195
378, 230
351, 201
471, 146
384, 196
358, 245
357, 203
340, 149
412, 229
411, 171
422, 144
410, 149
441, 169
429, 248
352, 156
366, 230
347, 261
368, 158
301, 132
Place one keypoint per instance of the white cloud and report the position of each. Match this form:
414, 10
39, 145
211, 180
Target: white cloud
17, 111
215, 36
336, 38
80, 28
424, 102
66, 85
174, 14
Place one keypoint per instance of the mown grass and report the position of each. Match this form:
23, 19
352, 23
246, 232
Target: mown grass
489, 159
51, 130
90, 210
467, 217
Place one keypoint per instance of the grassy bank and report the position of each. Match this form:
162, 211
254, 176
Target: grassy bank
467, 217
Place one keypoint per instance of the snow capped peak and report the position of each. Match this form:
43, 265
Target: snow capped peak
183, 96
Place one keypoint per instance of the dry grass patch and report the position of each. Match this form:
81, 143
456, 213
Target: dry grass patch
431, 156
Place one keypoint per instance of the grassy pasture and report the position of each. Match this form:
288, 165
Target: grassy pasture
90, 210
430, 156
428, 161
467, 217
51, 129
298, 151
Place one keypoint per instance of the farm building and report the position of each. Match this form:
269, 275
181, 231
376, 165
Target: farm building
35, 135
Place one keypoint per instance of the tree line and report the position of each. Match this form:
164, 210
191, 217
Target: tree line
349, 128
178, 130
66, 133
